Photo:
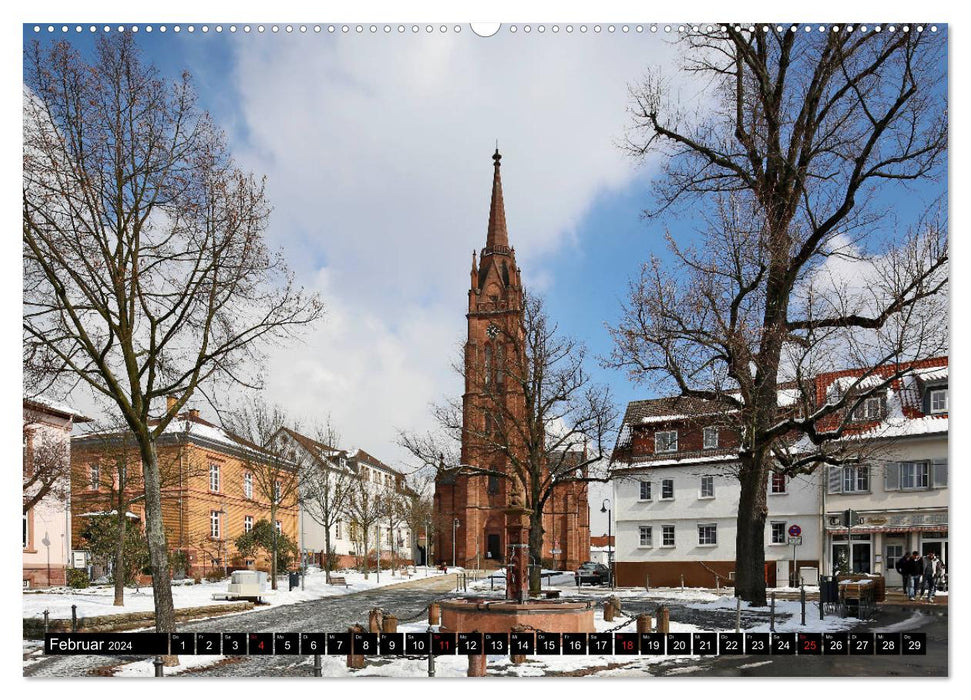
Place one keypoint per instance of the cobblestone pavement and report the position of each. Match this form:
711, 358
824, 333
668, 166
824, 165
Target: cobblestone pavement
324, 615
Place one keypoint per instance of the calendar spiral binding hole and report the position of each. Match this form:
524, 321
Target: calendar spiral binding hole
512, 28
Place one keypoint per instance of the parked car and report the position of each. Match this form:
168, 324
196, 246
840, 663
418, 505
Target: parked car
591, 572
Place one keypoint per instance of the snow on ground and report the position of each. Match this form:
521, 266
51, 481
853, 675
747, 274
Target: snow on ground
97, 600
788, 616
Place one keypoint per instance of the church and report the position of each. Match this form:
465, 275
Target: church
472, 506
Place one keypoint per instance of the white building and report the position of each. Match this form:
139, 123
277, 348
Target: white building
900, 492
46, 466
342, 465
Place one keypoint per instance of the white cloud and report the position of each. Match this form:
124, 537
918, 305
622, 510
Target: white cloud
377, 151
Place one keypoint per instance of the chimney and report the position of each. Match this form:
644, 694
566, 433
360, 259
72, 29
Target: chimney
170, 402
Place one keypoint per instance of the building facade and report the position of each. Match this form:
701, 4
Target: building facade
471, 507
341, 468
215, 487
47, 538
676, 496
900, 492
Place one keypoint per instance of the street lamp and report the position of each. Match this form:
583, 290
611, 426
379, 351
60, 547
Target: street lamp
605, 508
455, 524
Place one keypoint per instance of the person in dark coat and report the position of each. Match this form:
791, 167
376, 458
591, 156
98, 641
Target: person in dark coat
913, 567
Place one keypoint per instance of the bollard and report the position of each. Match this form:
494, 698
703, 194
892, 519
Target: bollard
434, 614
738, 615
46, 619
159, 667
74, 618
354, 660
608, 610
663, 620
431, 656
318, 668
477, 663
647, 583
644, 623
375, 619
772, 614
821, 603
519, 658
682, 582
390, 624
802, 602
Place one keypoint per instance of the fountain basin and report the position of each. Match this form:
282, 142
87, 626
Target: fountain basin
482, 615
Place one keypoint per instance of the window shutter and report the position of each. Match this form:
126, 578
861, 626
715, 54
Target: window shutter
939, 473
835, 480
891, 477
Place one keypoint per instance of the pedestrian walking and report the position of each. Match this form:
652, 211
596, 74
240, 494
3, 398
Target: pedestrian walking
932, 572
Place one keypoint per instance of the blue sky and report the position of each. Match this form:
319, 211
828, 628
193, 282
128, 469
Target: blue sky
377, 152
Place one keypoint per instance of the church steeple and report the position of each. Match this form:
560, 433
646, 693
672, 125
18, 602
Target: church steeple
497, 235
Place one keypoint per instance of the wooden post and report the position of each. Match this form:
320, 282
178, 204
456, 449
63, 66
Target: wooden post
354, 660
608, 610
645, 624
519, 658
477, 664
375, 619
663, 620
390, 624
434, 614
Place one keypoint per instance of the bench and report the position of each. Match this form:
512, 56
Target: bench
338, 581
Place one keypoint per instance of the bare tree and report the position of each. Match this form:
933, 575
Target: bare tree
46, 468
797, 267
326, 485
544, 418
366, 507
276, 467
418, 510
145, 269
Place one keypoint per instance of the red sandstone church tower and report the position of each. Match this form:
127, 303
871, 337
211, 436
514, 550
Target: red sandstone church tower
472, 506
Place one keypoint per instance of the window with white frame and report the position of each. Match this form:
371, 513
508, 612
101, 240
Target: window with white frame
247, 523
337, 529
938, 400
708, 534
869, 409
913, 475
777, 483
710, 438
248, 484
707, 487
213, 477
667, 535
856, 479
666, 441
214, 524
279, 526
667, 489
95, 476
645, 491
644, 533
778, 532
277, 490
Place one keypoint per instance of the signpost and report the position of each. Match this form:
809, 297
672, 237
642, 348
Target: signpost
795, 539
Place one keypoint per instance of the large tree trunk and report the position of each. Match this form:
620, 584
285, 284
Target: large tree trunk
327, 554
155, 533
750, 533
535, 552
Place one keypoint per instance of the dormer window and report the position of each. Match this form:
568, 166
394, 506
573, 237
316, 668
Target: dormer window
938, 400
868, 409
666, 441
710, 438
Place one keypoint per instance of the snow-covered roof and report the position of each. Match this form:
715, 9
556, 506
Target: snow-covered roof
98, 513
687, 459
55, 406
931, 374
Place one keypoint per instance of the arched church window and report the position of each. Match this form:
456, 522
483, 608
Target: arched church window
488, 363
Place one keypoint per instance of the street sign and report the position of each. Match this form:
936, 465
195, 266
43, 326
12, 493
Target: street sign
795, 531
556, 551
794, 541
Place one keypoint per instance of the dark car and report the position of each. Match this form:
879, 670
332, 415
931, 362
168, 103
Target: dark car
592, 573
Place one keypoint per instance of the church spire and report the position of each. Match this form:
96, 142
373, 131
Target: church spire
497, 235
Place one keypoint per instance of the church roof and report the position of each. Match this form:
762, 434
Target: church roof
497, 236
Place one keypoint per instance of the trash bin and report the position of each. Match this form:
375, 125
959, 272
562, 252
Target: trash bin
294, 580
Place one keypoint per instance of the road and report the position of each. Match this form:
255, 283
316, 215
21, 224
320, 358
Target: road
331, 614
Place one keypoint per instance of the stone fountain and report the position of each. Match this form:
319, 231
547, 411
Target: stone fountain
517, 610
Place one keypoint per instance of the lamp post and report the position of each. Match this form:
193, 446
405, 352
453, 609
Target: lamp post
455, 524
605, 507
223, 549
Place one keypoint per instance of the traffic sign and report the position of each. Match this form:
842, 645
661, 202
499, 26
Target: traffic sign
795, 531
